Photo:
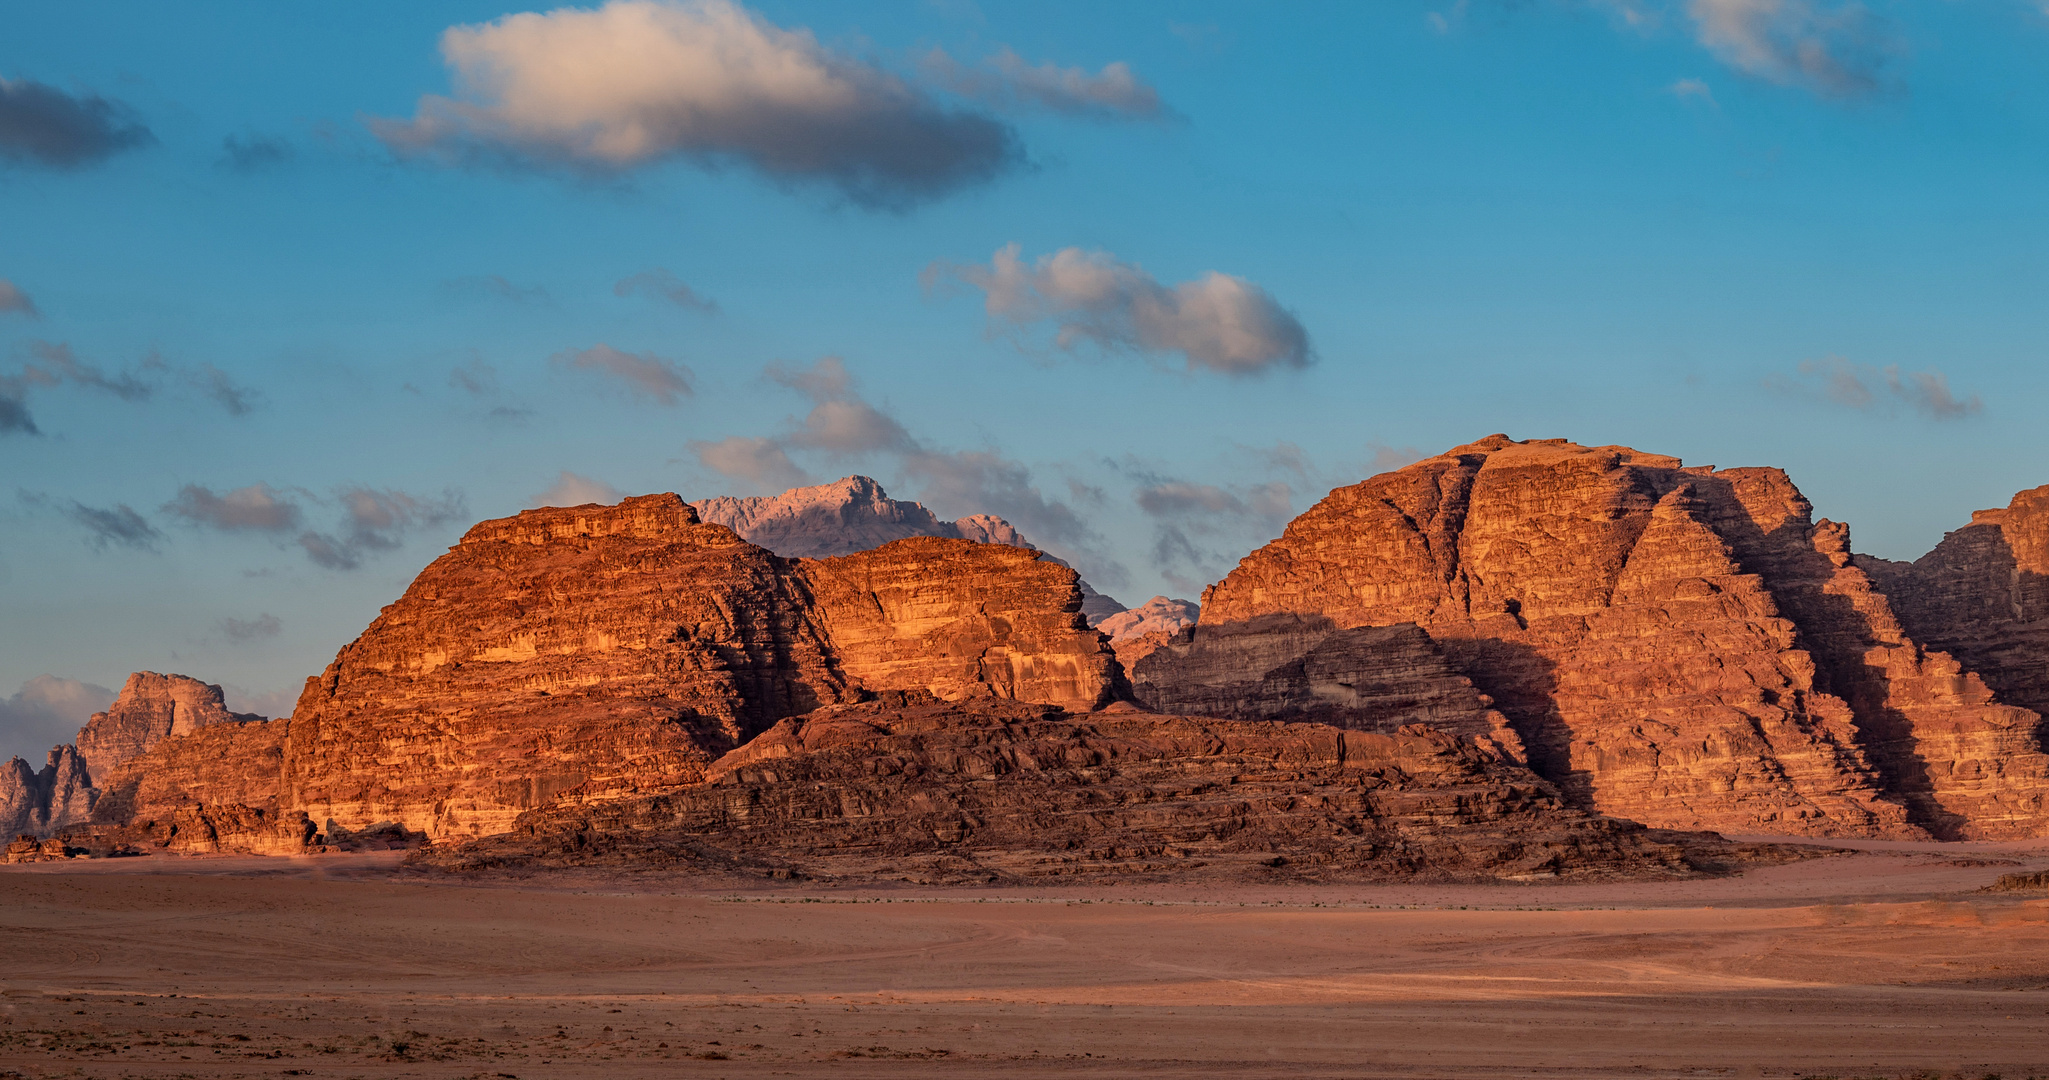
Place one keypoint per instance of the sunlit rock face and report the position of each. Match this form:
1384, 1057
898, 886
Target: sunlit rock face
1982, 595
1683, 646
854, 514
595, 653
151, 708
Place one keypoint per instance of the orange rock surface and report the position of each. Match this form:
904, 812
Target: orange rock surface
1681, 646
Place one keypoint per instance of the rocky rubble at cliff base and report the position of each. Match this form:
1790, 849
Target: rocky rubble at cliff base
1618, 637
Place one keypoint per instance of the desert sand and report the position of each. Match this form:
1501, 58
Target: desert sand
1885, 961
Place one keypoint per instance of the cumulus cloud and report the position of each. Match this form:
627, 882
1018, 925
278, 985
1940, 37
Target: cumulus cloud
635, 82
42, 125
661, 284
262, 626
1870, 388
758, 461
376, 521
1216, 322
14, 301
254, 153
570, 489
1837, 51
256, 508
1007, 80
646, 374
45, 712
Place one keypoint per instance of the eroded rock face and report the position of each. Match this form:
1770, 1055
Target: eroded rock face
1681, 646
854, 514
1158, 615
1982, 595
997, 791
151, 708
38, 802
597, 653
1302, 669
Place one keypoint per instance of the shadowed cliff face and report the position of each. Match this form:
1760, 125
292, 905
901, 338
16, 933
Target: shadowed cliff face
1681, 646
598, 652
1983, 596
1005, 792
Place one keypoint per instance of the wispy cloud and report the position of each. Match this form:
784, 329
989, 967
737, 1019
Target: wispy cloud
844, 425
54, 364
497, 286
254, 153
262, 626
1215, 323
1692, 90
1007, 80
645, 374
105, 526
15, 302
376, 521
1870, 388
256, 508
42, 125
661, 284
636, 82
1839, 50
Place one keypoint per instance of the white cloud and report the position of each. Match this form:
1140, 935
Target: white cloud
646, 374
1692, 88
1838, 51
635, 82
1216, 322
1006, 79
571, 489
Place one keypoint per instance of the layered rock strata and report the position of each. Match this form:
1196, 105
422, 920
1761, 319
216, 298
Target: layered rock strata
1681, 646
151, 708
1982, 595
602, 652
39, 801
1004, 792
854, 514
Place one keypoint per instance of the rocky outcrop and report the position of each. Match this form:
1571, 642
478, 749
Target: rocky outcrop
1295, 668
597, 653
38, 802
1158, 615
1681, 646
854, 514
994, 791
151, 708
1982, 595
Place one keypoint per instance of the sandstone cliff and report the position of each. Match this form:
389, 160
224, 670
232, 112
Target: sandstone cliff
1982, 595
1004, 792
602, 652
854, 514
150, 708
1681, 646
38, 802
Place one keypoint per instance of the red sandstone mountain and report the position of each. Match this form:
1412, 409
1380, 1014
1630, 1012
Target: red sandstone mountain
854, 514
1680, 646
600, 652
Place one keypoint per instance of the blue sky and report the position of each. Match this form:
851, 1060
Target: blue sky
283, 330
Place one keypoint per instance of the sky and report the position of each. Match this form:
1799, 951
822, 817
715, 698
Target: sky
292, 295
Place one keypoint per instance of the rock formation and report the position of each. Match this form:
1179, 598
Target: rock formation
150, 708
1681, 646
38, 802
1158, 615
854, 514
601, 652
999, 791
1982, 595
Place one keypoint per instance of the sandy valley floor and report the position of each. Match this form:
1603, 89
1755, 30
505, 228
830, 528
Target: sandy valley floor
1888, 962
